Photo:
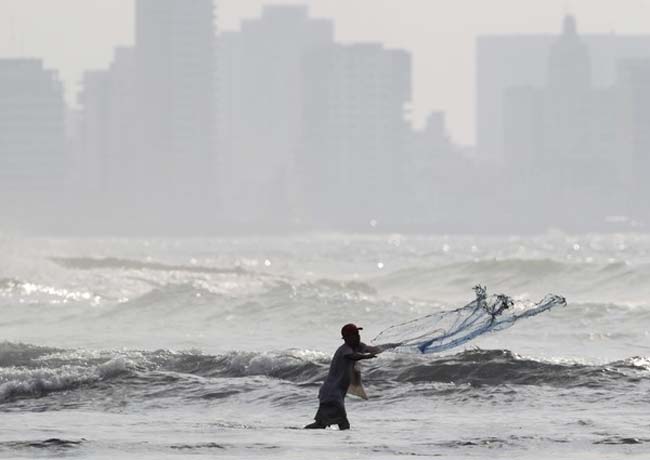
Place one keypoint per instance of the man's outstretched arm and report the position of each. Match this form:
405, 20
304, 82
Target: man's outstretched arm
359, 356
376, 349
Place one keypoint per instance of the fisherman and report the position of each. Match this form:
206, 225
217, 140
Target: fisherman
331, 410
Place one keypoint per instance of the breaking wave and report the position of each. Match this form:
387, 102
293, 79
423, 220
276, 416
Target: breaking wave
28, 372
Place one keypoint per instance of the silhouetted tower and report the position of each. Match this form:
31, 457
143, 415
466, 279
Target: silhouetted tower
106, 161
260, 98
355, 133
175, 77
32, 139
559, 139
568, 102
523, 60
633, 129
569, 66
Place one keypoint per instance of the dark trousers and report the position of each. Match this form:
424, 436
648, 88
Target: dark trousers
330, 413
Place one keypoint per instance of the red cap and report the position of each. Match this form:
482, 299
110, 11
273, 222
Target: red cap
350, 329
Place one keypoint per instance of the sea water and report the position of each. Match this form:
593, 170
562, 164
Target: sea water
191, 348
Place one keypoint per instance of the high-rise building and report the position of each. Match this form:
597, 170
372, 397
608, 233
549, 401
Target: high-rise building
438, 177
353, 157
106, 158
506, 61
32, 138
569, 62
567, 103
562, 149
632, 123
260, 107
175, 112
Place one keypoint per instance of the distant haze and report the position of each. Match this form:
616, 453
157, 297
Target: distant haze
77, 35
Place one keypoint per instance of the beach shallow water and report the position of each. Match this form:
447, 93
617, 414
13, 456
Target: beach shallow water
190, 348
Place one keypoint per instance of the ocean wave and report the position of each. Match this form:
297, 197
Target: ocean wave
7, 284
502, 367
40, 293
295, 366
608, 282
527, 267
28, 371
205, 445
22, 382
345, 286
20, 354
620, 440
51, 443
113, 263
214, 300
530, 269
165, 298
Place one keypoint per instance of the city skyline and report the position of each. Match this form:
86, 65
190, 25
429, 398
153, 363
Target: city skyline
434, 34
281, 125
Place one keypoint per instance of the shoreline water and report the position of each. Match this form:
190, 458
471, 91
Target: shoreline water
168, 348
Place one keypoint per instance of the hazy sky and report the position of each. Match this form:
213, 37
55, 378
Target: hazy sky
75, 35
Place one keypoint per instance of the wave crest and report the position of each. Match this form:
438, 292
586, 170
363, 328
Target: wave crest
33, 372
114, 263
21, 382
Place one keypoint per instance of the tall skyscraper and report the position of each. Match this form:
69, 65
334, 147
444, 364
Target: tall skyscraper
106, 158
506, 61
260, 105
175, 112
567, 103
438, 178
353, 153
32, 139
632, 122
561, 145
569, 62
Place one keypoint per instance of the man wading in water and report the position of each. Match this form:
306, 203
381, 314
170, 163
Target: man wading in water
331, 410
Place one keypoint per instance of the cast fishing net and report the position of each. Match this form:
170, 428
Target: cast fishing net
449, 329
